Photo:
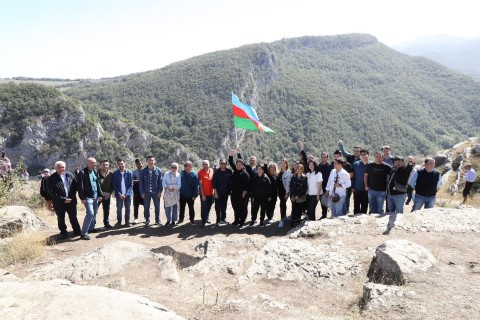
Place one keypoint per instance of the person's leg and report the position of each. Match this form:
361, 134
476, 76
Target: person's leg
191, 209
418, 202
283, 206
347, 199
218, 210
340, 206
380, 196
363, 201
223, 207
128, 203
174, 213
136, 205
168, 214
244, 211
72, 216
312, 205
263, 210
88, 216
106, 211
156, 203
372, 201
429, 202
183, 202
60, 212
356, 202
391, 204
209, 203
236, 209
255, 207
203, 211
119, 211
399, 202
146, 207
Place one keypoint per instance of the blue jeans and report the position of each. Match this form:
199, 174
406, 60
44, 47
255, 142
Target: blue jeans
146, 206
91, 206
376, 200
396, 202
338, 208
205, 207
171, 213
419, 201
127, 201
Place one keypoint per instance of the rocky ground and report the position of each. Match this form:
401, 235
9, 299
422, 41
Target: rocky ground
413, 266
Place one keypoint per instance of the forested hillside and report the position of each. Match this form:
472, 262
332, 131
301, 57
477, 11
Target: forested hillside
313, 90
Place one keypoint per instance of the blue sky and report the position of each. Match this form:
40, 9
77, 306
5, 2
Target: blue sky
105, 38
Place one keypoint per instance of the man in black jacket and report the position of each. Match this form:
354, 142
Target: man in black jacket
221, 190
62, 187
90, 193
397, 184
261, 194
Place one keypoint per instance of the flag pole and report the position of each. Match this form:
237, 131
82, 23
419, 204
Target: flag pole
236, 138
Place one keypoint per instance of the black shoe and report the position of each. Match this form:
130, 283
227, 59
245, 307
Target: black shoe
252, 223
208, 221
203, 225
192, 223
93, 231
173, 224
64, 236
180, 221
167, 224
85, 237
261, 223
147, 224
108, 226
235, 223
77, 234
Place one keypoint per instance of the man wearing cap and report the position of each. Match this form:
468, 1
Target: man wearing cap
137, 198
221, 190
44, 190
397, 184
426, 183
469, 176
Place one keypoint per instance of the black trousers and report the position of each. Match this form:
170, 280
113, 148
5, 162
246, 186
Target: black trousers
71, 210
259, 203
106, 209
221, 207
137, 201
360, 201
271, 208
283, 206
240, 206
324, 211
297, 209
347, 199
466, 190
191, 210
312, 206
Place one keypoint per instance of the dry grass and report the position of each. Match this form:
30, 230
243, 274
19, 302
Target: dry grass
22, 248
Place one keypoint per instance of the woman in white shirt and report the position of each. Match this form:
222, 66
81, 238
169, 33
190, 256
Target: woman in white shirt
171, 197
314, 179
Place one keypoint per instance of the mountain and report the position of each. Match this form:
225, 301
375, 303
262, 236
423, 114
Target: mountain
456, 53
311, 91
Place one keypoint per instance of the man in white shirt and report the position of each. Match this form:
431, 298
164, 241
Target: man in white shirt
469, 176
338, 182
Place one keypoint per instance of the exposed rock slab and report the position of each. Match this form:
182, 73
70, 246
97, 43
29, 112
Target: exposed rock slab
298, 260
59, 299
16, 219
106, 260
399, 261
330, 228
381, 296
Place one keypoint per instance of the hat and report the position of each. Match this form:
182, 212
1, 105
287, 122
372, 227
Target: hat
46, 170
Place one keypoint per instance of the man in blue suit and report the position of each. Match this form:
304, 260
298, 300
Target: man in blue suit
62, 187
151, 189
123, 188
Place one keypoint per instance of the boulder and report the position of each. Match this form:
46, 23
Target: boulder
381, 296
60, 299
476, 148
399, 261
16, 219
440, 160
106, 260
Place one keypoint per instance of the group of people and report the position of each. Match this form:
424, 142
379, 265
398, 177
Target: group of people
386, 183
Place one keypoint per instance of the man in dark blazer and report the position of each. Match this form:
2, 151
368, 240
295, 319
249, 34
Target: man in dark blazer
90, 193
62, 187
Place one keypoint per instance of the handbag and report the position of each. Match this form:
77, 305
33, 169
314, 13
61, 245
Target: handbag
335, 196
400, 187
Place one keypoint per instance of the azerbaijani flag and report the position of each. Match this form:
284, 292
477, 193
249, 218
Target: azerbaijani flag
245, 117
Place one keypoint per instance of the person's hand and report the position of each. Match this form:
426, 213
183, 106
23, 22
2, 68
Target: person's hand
83, 201
253, 200
231, 153
143, 196
300, 145
215, 195
123, 197
238, 149
338, 185
286, 196
269, 199
99, 199
265, 160
204, 198
68, 200
159, 195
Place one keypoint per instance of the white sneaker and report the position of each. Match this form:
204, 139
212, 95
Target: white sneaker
281, 224
270, 221
135, 221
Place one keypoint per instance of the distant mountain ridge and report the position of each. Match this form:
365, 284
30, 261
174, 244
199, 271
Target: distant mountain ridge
456, 53
311, 91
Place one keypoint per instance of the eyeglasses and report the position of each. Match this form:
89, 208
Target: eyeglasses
386, 148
